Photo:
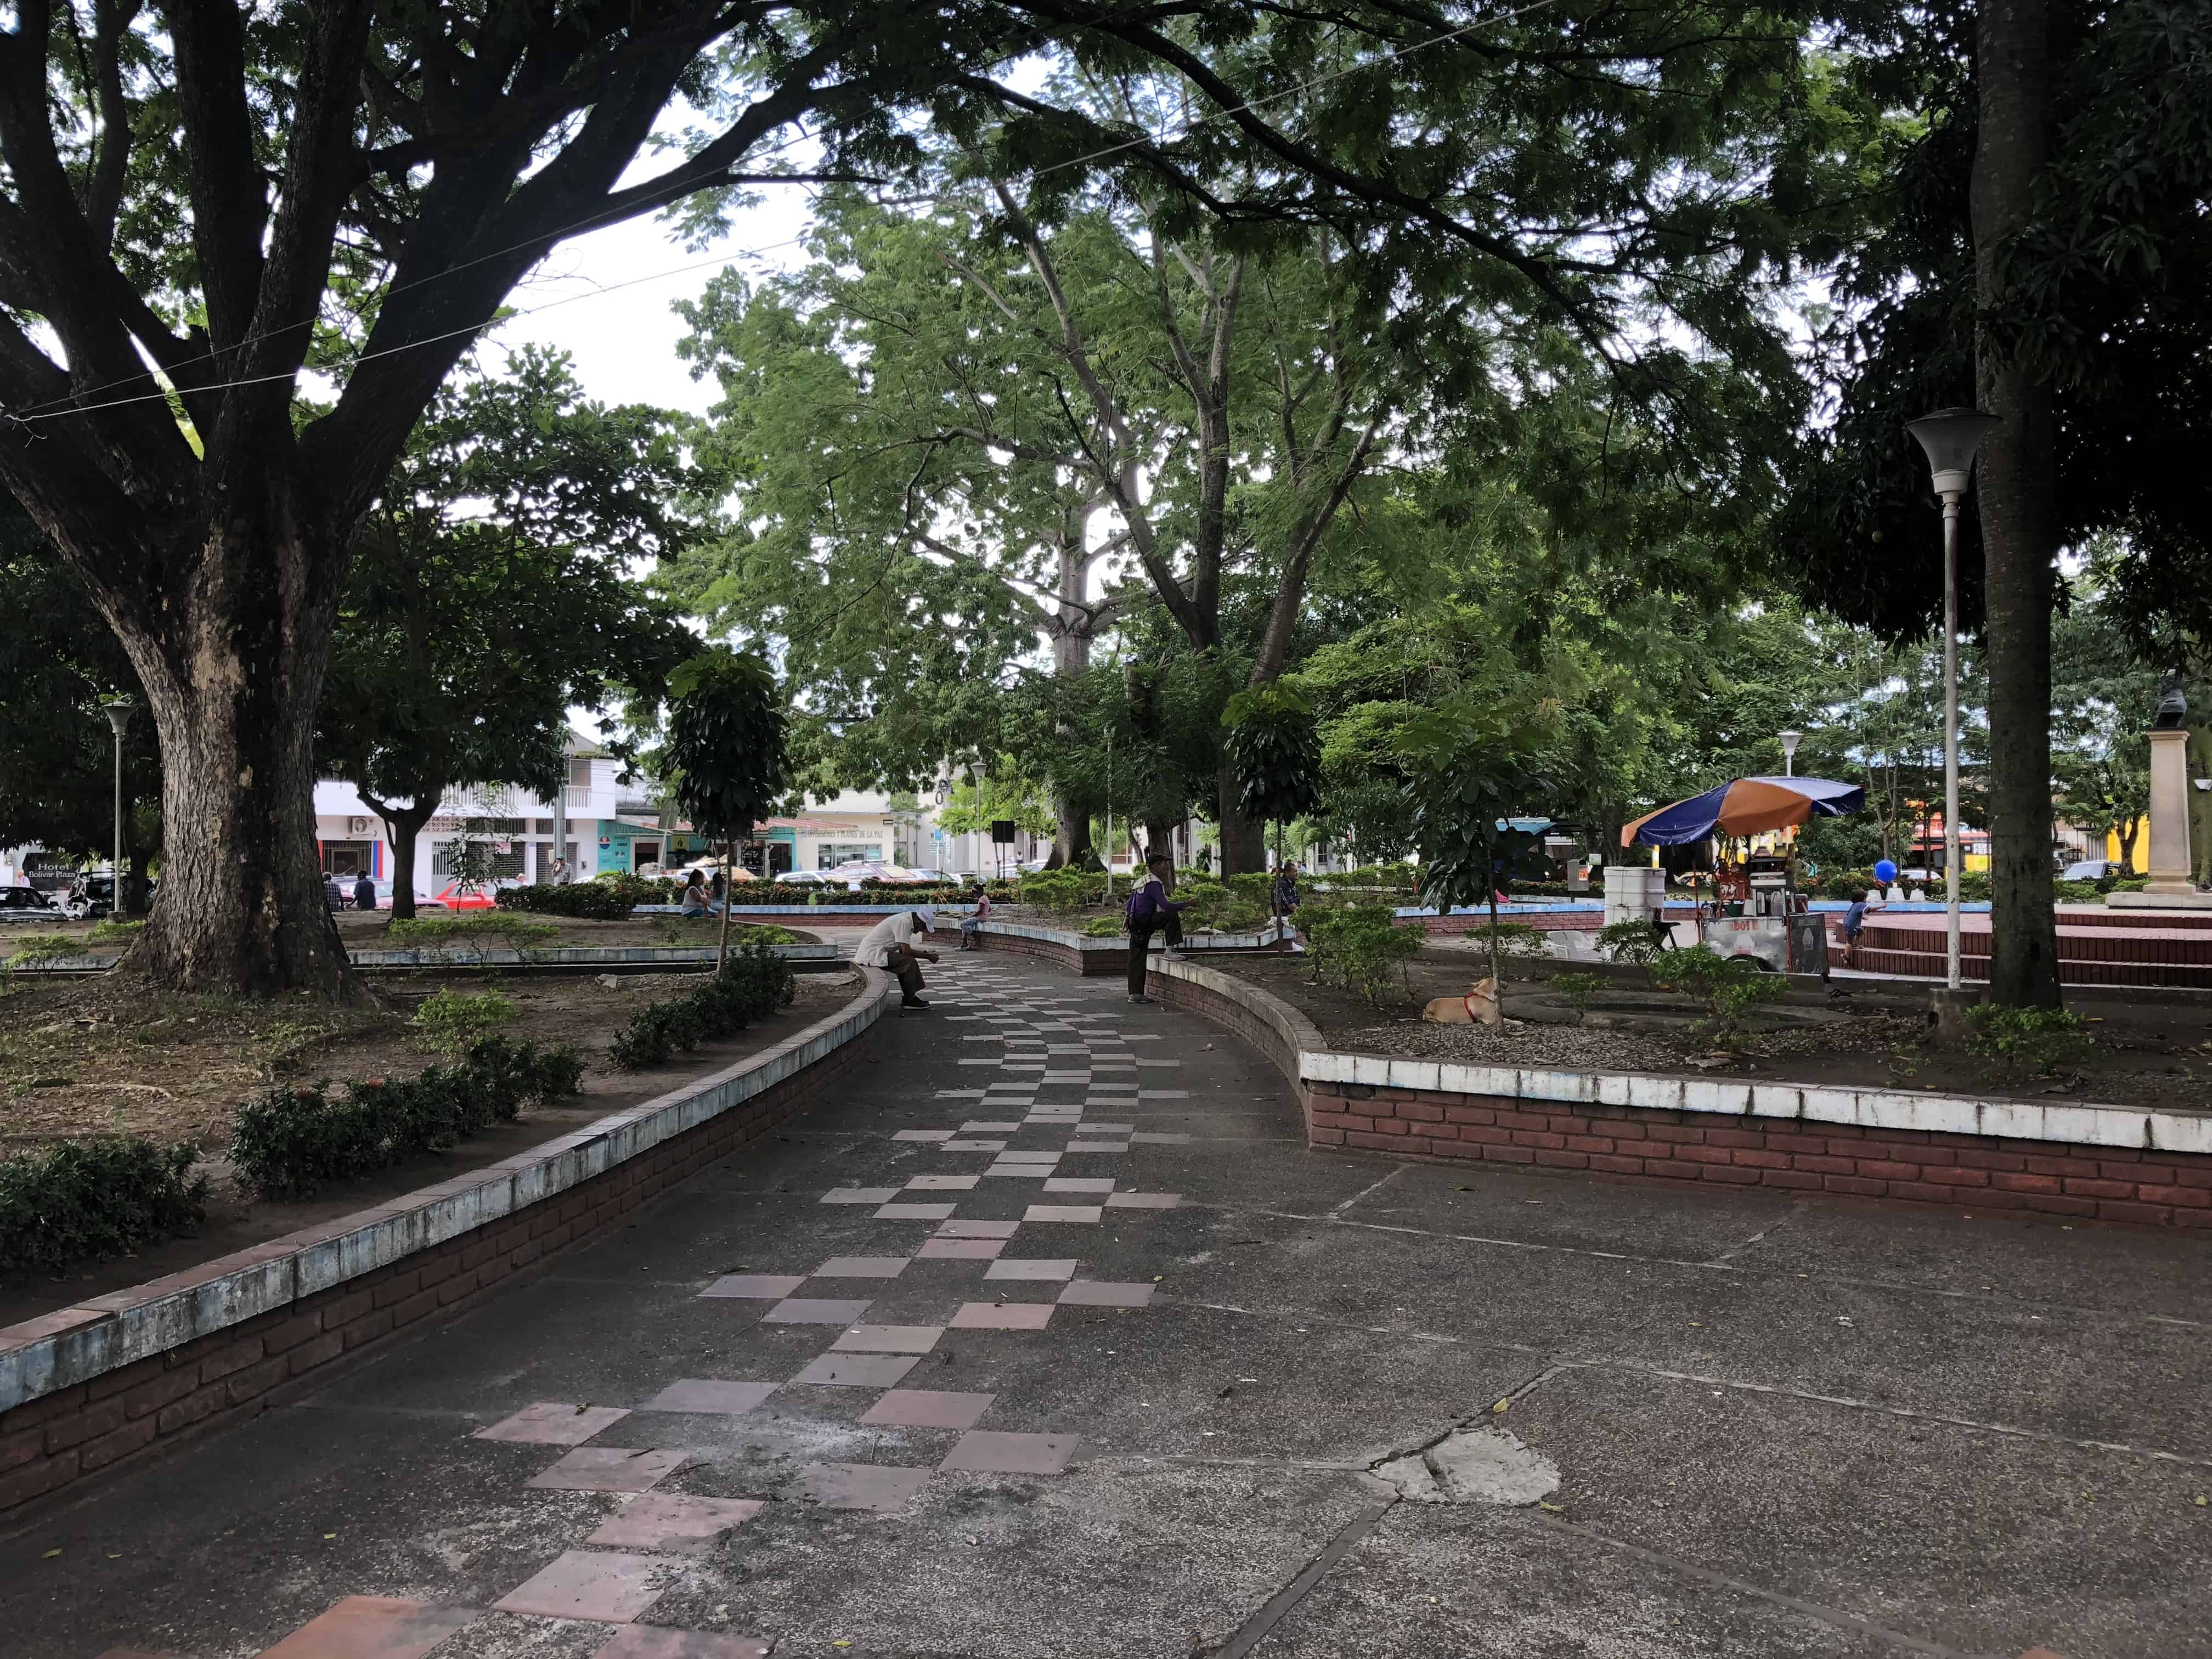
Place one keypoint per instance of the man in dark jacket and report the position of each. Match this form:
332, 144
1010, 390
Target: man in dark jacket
1150, 910
364, 892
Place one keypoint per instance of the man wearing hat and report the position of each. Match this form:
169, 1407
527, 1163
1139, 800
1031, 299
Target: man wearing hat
888, 945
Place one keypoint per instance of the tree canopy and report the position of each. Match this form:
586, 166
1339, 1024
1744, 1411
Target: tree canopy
488, 595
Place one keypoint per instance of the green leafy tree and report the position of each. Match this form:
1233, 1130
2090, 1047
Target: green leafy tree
1473, 764
487, 597
202, 204
974, 803
59, 663
2104, 697
1276, 750
2070, 301
724, 757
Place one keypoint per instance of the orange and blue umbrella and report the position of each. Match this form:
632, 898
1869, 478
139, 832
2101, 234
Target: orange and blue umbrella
1747, 806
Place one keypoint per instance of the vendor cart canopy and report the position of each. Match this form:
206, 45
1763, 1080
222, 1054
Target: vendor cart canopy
1746, 806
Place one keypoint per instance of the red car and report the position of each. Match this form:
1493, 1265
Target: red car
453, 898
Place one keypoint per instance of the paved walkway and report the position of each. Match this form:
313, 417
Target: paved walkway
1051, 1339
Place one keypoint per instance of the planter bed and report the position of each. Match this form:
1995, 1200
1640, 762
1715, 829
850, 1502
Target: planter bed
2005, 1149
108, 1378
83, 1057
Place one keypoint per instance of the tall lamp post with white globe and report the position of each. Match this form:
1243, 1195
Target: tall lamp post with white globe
1790, 742
118, 716
1950, 436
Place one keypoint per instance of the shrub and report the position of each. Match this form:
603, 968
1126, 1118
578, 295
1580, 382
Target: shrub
288, 1141
1202, 898
586, 899
112, 932
1515, 938
754, 982
2026, 1040
1629, 941
31, 948
1362, 946
636, 889
1578, 989
98, 1197
451, 1020
1103, 928
472, 928
1729, 987
695, 930
1062, 891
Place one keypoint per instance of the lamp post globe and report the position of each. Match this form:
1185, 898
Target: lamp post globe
1949, 438
1790, 742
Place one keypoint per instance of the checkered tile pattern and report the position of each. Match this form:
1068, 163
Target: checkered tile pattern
997, 1200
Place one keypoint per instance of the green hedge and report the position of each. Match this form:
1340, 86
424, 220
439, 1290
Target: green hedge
98, 1197
1063, 892
597, 901
286, 1142
754, 982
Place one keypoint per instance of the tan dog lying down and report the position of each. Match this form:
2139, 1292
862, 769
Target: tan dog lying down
1478, 1007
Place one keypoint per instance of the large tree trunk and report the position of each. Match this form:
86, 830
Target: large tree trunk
2019, 538
1071, 841
231, 656
1243, 840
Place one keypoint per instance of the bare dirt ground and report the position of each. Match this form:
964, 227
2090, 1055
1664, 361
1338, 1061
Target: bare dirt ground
2140, 1055
89, 1056
367, 930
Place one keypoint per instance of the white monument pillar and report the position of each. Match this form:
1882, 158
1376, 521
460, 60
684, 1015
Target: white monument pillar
2171, 886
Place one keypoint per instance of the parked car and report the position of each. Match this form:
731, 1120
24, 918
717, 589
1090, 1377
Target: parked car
422, 899
452, 898
26, 904
2088, 870
91, 896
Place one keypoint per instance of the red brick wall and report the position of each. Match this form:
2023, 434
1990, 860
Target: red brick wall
1986, 1172
1981, 1172
48, 1444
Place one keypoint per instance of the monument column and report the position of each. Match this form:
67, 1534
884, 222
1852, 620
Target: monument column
2171, 884
2171, 868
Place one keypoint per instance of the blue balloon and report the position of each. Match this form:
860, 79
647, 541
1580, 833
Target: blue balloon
1885, 872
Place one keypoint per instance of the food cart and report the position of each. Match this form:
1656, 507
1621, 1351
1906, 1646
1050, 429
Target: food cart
1756, 912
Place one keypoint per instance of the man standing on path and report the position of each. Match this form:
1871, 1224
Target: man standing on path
890, 945
364, 892
1149, 909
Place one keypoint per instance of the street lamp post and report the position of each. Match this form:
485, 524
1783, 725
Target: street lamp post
1790, 742
1950, 437
118, 716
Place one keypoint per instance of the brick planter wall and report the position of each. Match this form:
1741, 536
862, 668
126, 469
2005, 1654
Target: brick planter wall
2092, 1162
1984, 1172
51, 1441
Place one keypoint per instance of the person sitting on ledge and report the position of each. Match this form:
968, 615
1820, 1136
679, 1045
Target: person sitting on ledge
890, 945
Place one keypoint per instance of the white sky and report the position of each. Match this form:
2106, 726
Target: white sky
604, 298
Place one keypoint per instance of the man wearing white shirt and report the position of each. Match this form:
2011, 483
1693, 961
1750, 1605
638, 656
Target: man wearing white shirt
890, 945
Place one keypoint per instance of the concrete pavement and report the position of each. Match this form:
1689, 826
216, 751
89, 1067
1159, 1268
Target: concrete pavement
1050, 1338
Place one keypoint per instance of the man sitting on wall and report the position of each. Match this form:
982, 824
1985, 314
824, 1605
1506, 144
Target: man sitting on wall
888, 945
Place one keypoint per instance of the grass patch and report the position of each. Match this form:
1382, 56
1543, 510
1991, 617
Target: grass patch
476, 929
2040, 1042
32, 949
